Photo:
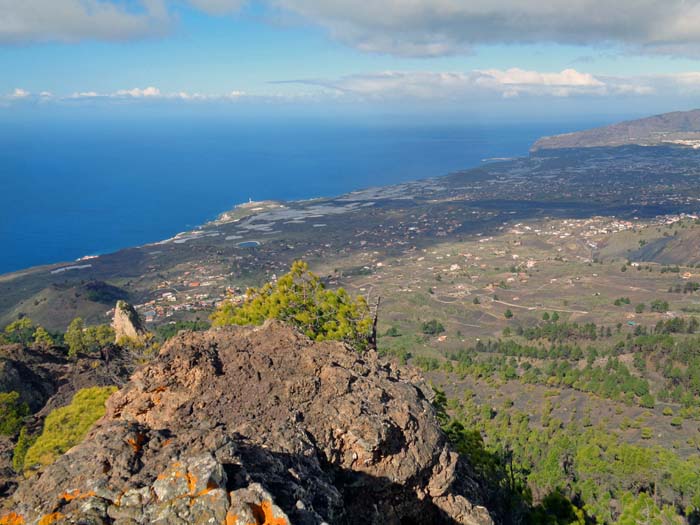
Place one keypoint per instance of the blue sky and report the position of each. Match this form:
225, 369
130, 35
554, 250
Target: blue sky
505, 57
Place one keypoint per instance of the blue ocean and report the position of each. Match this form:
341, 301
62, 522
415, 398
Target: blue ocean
73, 188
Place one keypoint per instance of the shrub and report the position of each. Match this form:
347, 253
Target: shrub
647, 401
12, 412
81, 339
20, 331
393, 332
65, 427
75, 338
20, 451
300, 299
42, 339
659, 306
167, 331
426, 364
432, 327
97, 337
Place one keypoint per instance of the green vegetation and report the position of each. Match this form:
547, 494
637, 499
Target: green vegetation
167, 331
12, 413
75, 338
659, 306
562, 467
26, 333
300, 299
98, 336
669, 349
20, 331
642, 509
24, 442
65, 427
81, 340
42, 339
432, 327
400, 353
101, 292
393, 332
574, 472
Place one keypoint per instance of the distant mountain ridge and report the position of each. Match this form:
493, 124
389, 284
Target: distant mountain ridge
680, 128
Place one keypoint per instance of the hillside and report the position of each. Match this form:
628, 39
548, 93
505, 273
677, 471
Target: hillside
678, 128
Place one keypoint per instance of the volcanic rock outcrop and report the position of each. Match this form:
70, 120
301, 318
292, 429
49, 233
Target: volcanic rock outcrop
259, 426
127, 323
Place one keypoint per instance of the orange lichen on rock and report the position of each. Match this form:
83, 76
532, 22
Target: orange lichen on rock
49, 519
210, 486
77, 494
191, 482
136, 443
264, 515
12, 519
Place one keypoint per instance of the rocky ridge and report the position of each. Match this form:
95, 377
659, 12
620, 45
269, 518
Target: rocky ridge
259, 425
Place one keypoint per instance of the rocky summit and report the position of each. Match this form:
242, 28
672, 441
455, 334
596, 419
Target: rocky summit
259, 426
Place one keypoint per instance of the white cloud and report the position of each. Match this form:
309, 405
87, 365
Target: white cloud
440, 27
84, 94
137, 92
462, 88
423, 28
514, 81
458, 85
19, 93
149, 93
217, 7
73, 20
16, 95
568, 77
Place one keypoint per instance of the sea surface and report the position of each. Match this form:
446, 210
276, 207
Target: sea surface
74, 188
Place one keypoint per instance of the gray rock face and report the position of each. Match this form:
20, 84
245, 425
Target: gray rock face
246, 425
